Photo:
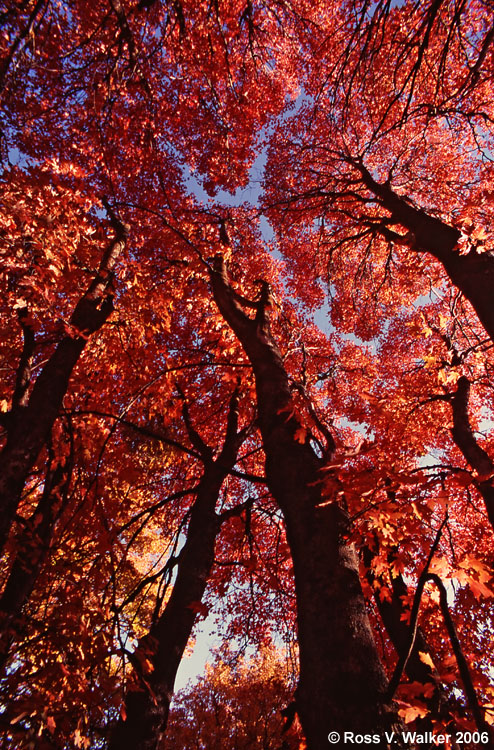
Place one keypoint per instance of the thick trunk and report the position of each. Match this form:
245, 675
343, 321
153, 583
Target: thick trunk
30, 427
30, 421
473, 274
342, 682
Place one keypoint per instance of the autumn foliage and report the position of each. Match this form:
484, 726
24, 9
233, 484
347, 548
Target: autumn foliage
246, 269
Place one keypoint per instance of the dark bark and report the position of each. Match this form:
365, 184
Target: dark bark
30, 421
472, 273
463, 668
342, 683
474, 454
32, 547
147, 708
23, 377
391, 612
398, 631
413, 629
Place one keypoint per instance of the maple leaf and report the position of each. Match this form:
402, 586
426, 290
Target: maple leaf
411, 712
426, 659
480, 589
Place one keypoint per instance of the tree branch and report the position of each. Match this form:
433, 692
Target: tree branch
470, 692
404, 657
23, 378
474, 454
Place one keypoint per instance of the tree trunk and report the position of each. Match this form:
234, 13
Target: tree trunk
391, 613
342, 681
147, 708
32, 549
30, 420
472, 273
466, 441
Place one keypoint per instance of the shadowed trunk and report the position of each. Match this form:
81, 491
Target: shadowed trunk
147, 708
472, 273
32, 546
31, 418
466, 441
398, 630
342, 681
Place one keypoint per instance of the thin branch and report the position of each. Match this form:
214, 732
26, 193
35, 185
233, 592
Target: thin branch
404, 657
470, 692
24, 369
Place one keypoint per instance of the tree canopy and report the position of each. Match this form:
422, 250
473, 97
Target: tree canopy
276, 412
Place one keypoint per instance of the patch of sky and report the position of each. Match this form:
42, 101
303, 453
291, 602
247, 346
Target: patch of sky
205, 645
486, 423
17, 159
249, 194
193, 665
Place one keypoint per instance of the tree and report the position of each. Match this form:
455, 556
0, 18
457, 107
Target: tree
237, 703
398, 159
159, 653
35, 404
330, 605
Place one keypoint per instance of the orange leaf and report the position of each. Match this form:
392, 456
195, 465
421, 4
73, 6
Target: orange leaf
426, 659
51, 724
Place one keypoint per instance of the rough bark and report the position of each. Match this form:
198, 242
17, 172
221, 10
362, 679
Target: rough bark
342, 682
31, 418
32, 546
147, 708
472, 273
473, 453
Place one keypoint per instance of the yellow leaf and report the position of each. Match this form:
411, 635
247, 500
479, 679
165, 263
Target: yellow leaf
429, 360
447, 378
426, 659
479, 234
489, 713
443, 322
441, 567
